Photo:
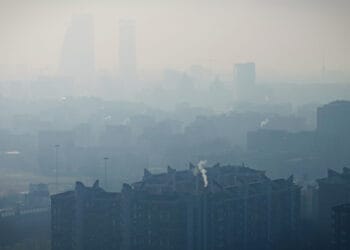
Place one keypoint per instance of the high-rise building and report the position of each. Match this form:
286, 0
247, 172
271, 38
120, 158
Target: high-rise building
334, 190
127, 51
341, 227
333, 132
222, 207
245, 74
86, 218
244, 79
334, 118
78, 52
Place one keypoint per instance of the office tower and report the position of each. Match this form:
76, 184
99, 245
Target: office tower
85, 219
341, 227
127, 51
78, 53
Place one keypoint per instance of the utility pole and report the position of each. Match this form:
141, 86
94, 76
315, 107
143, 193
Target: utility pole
56, 166
105, 163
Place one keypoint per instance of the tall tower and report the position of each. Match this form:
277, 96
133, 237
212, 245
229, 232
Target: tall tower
127, 50
244, 78
245, 74
78, 54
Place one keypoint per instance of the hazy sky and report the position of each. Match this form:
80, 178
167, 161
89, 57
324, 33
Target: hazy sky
283, 37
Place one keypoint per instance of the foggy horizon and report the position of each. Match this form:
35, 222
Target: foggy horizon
293, 40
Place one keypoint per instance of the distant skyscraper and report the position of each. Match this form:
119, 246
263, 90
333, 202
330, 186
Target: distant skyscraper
245, 74
127, 50
244, 78
333, 132
334, 118
78, 55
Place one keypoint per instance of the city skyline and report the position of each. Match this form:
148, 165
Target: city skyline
213, 35
211, 125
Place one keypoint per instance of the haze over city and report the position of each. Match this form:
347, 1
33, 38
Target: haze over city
174, 125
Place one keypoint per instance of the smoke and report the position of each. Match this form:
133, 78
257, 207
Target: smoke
263, 123
200, 169
126, 121
108, 117
14, 152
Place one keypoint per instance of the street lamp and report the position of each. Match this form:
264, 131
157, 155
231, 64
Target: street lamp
56, 166
105, 163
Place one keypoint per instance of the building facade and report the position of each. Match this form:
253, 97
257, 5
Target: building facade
216, 208
86, 218
333, 190
341, 227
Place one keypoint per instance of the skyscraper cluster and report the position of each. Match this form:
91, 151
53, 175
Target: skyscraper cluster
78, 50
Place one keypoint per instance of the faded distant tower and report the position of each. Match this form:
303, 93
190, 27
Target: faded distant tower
244, 78
127, 50
245, 74
78, 54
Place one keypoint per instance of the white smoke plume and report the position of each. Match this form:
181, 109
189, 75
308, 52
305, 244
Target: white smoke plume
263, 123
200, 169
108, 117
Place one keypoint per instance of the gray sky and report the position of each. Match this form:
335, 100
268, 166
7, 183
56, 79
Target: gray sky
283, 37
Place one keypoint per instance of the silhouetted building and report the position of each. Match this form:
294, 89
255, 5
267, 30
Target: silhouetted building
233, 206
25, 224
25, 228
334, 118
334, 190
86, 218
222, 207
153, 221
333, 131
341, 227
